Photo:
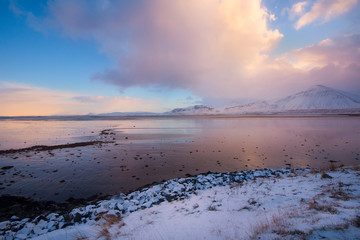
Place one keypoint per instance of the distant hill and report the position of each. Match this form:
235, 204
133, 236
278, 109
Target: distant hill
193, 110
126, 114
318, 98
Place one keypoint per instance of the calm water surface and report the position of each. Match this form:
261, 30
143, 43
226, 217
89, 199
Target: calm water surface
146, 149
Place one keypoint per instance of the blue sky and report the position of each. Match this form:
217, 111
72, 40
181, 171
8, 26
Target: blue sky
173, 56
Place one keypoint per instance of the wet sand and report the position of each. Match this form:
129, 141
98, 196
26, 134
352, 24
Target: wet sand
109, 157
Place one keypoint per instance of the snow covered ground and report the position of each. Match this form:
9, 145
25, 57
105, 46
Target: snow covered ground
258, 204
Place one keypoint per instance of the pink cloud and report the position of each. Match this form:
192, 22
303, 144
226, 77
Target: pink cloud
217, 49
190, 45
325, 10
332, 62
297, 9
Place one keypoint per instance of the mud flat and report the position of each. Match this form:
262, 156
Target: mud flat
49, 148
61, 160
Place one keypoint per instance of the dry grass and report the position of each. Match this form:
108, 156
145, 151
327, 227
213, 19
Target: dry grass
339, 193
283, 232
195, 206
314, 171
282, 224
356, 168
258, 229
108, 221
212, 208
104, 234
293, 173
112, 219
236, 185
324, 206
80, 236
332, 167
278, 224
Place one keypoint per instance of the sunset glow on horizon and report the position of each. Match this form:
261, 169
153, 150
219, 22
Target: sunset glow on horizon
66, 57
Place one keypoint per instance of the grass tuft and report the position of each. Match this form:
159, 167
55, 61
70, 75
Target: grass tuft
323, 207
332, 167
80, 236
108, 221
212, 208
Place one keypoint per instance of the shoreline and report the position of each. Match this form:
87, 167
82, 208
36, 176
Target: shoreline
46, 207
160, 116
169, 191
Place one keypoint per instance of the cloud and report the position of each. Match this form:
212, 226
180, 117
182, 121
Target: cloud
297, 9
341, 52
333, 62
13, 6
102, 104
207, 46
35, 22
26, 100
216, 49
324, 11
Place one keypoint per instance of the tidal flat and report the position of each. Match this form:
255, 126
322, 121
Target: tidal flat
62, 159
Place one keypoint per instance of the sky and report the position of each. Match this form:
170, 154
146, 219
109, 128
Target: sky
65, 57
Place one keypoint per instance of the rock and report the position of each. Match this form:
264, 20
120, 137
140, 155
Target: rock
120, 206
51, 226
24, 220
36, 230
43, 231
61, 224
21, 236
77, 218
147, 205
4, 225
41, 224
26, 229
325, 175
7, 167
52, 216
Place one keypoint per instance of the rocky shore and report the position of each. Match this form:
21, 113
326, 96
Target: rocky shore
176, 189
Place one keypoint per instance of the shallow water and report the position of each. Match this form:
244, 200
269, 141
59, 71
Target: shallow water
142, 150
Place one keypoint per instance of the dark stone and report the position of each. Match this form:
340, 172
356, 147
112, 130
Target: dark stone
325, 175
77, 218
7, 167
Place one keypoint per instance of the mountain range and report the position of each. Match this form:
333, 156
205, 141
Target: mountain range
317, 99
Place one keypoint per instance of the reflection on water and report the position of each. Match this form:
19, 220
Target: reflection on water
144, 150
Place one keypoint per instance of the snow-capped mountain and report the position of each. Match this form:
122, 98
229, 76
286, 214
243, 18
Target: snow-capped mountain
193, 110
316, 98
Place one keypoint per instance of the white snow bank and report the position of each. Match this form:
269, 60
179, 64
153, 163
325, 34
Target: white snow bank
283, 205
